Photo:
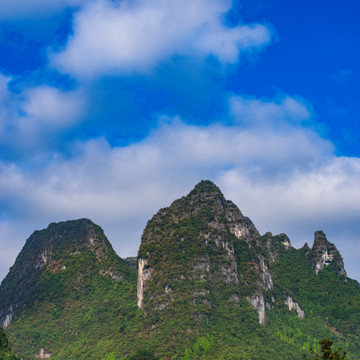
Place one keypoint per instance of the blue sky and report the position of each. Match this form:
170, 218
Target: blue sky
112, 109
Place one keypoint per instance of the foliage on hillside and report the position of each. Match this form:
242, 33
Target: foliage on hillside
83, 298
327, 352
197, 307
5, 352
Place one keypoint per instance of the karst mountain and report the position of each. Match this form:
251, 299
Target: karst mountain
205, 285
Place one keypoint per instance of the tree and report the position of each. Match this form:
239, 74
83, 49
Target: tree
142, 354
327, 353
5, 352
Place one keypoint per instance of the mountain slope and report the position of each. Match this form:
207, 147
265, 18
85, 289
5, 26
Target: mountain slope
206, 272
67, 289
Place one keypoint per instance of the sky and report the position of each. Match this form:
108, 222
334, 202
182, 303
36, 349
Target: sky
112, 109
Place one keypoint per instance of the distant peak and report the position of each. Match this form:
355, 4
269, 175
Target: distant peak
206, 186
82, 221
319, 238
321, 243
306, 247
324, 253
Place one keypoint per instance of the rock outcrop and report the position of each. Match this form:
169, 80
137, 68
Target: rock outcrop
324, 253
43, 354
295, 306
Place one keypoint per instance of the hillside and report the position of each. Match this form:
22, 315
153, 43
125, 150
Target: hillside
206, 272
209, 286
67, 293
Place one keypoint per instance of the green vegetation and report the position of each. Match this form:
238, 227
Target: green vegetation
327, 352
5, 352
81, 299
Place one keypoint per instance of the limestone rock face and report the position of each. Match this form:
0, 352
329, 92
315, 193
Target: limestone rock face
295, 306
324, 253
202, 243
258, 303
43, 354
143, 276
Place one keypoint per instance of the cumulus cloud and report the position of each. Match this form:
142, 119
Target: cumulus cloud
32, 118
46, 106
282, 111
288, 182
133, 36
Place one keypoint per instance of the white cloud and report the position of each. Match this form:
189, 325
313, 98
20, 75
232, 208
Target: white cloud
32, 118
49, 109
286, 182
130, 36
285, 110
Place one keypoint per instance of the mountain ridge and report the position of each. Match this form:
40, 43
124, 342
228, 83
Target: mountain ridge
205, 276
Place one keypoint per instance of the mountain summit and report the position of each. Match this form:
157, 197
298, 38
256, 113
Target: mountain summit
196, 240
52, 251
209, 286
54, 295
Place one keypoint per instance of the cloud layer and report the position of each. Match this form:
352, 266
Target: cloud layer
134, 36
32, 119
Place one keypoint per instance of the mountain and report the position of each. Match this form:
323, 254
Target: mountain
67, 293
204, 269
209, 286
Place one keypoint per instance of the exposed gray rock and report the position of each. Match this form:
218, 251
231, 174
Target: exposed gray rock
230, 273
286, 243
258, 303
325, 253
295, 306
43, 355
235, 299
144, 274
265, 274
8, 317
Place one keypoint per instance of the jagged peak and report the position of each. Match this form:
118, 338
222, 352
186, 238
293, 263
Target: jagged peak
206, 187
285, 241
324, 253
207, 201
320, 240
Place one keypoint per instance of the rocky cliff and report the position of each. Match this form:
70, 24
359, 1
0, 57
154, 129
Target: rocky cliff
204, 240
324, 253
